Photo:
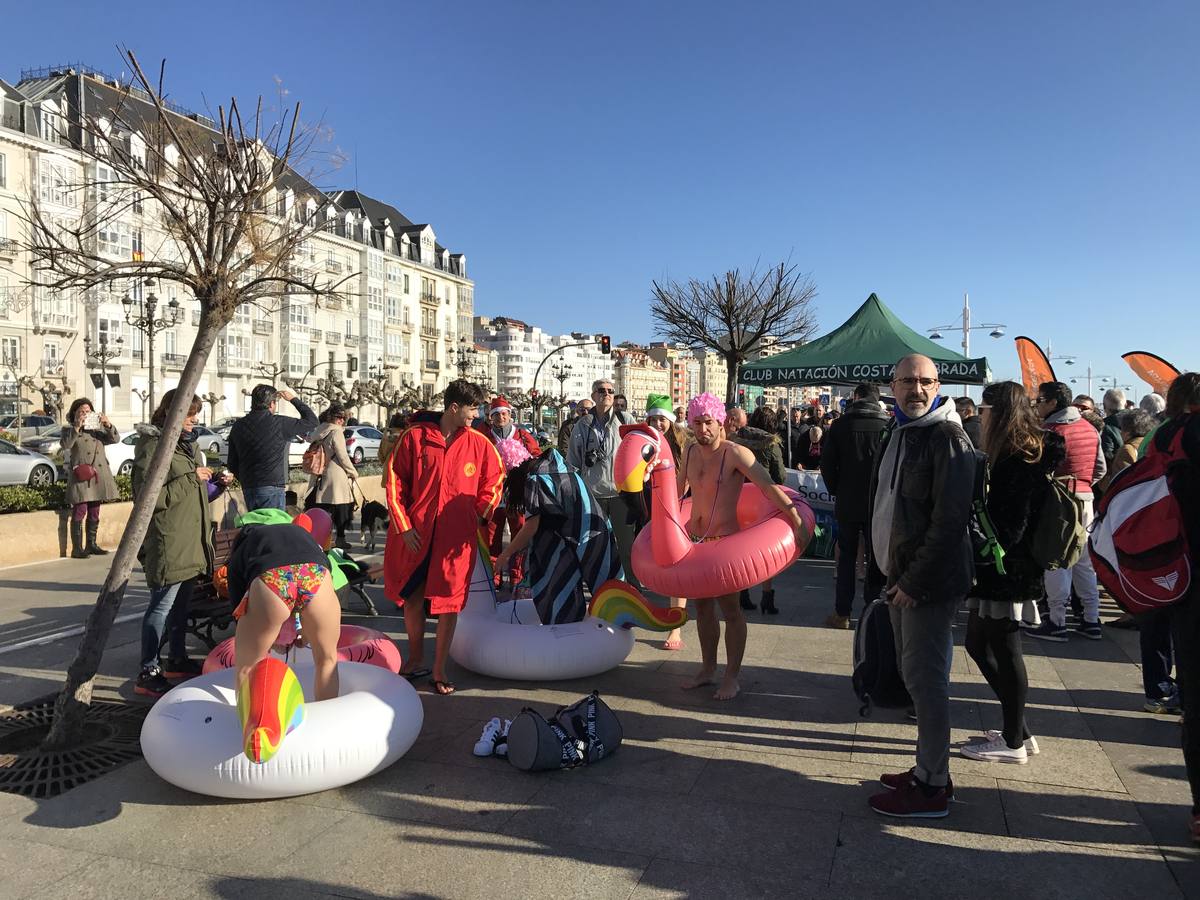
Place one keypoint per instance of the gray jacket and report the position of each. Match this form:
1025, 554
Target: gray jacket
921, 493
585, 444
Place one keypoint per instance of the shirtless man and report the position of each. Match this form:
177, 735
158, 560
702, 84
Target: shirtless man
716, 469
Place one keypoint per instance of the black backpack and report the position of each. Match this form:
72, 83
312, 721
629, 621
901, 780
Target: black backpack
876, 677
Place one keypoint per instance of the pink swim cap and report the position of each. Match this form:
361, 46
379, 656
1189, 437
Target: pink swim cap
706, 404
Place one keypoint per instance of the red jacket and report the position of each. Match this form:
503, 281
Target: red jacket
442, 490
1084, 462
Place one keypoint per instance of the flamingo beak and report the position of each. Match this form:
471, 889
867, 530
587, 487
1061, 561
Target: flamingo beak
635, 480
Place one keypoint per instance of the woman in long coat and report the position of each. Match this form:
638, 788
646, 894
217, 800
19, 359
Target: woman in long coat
177, 547
333, 490
90, 481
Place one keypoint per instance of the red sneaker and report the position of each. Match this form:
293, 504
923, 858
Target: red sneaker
910, 802
898, 780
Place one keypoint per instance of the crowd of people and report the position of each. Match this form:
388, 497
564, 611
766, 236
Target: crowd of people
905, 481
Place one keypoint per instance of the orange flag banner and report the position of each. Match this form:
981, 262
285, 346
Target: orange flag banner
1154, 370
1035, 368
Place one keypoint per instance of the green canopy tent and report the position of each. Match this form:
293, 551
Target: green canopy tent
865, 347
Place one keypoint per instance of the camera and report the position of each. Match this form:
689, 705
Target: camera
591, 457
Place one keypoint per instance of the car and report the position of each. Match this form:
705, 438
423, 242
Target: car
296, 450
21, 466
214, 444
29, 425
120, 454
362, 442
47, 444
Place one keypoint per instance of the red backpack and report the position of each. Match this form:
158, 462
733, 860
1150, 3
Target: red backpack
1139, 544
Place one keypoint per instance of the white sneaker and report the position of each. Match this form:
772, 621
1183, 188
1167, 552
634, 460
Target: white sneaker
1031, 744
492, 731
996, 751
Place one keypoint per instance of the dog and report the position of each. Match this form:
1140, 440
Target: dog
374, 514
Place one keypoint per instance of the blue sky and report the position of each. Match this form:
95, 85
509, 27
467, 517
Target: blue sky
1042, 157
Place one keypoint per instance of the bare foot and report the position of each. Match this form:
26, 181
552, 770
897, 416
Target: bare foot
728, 690
703, 677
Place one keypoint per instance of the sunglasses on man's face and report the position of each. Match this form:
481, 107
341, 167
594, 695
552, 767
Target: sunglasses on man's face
604, 391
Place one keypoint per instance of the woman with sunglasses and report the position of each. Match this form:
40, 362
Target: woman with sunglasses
1021, 455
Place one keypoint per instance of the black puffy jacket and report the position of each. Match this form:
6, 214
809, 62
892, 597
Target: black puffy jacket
848, 456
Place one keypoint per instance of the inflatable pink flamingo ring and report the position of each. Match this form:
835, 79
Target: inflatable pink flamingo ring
665, 559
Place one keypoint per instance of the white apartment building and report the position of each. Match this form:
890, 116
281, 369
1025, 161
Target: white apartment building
520, 348
399, 317
638, 375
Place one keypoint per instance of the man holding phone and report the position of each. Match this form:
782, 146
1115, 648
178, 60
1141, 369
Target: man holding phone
258, 446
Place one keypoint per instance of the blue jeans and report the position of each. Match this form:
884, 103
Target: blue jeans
270, 496
167, 612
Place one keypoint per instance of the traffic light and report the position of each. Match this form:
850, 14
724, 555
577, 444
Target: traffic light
605, 344
742, 397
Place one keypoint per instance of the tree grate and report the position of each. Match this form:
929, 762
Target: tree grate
110, 739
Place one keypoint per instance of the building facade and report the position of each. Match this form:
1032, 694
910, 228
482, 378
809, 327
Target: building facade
402, 304
637, 375
520, 349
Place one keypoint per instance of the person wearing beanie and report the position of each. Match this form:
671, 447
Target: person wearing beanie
501, 431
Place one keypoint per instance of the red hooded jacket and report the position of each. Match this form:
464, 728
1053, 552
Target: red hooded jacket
442, 490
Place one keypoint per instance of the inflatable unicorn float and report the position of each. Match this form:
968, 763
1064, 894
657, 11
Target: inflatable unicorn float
664, 557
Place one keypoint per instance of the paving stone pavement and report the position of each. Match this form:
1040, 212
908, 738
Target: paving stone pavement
764, 796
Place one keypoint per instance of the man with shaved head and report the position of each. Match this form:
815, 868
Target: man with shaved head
921, 493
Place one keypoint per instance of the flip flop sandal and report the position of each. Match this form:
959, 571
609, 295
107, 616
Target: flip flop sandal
417, 673
443, 688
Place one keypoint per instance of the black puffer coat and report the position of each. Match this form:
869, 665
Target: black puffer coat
1015, 493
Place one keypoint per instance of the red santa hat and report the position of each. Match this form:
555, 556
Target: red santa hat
498, 404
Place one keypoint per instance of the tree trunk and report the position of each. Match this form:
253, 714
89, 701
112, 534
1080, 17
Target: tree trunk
733, 372
76, 694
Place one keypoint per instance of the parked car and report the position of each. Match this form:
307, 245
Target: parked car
222, 426
362, 442
296, 450
21, 466
47, 444
29, 425
214, 444
120, 454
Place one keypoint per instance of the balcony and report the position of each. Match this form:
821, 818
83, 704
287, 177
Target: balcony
331, 303
173, 360
333, 268
432, 365
406, 327
429, 331
8, 248
392, 359
352, 340
333, 337
430, 299
263, 326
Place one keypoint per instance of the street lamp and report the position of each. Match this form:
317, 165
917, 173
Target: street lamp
101, 356
140, 314
964, 325
465, 357
561, 372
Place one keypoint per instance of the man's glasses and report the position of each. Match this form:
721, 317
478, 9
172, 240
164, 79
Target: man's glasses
913, 382
603, 391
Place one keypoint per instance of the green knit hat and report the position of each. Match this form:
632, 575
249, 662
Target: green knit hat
660, 405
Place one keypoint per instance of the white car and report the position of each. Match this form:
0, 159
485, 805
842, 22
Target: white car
21, 466
362, 442
214, 444
120, 454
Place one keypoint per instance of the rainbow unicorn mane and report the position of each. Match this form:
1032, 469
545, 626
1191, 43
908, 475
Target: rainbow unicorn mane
623, 606
270, 706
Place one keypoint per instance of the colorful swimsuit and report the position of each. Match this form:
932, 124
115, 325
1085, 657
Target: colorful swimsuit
295, 585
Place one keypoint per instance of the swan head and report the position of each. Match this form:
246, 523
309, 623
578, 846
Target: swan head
640, 445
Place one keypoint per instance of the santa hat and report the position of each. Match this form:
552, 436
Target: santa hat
498, 404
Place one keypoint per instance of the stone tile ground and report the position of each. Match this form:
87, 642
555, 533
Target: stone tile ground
761, 797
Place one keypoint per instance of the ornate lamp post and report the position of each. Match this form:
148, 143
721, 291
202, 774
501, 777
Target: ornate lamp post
465, 355
142, 315
561, 372
101, 353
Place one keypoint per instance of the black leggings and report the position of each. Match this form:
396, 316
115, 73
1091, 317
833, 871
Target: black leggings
1185, 630
995, 645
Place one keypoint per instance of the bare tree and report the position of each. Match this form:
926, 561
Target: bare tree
212, 194
732, 313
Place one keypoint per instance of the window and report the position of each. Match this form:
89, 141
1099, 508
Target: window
50, 358
169, 342
375, 265
105, 184
393, 309
393, 345
3, 171
297, 357
349, 328
374, 331
260, 351
393, 274
108, 331
297, 314
115, 239
406, 287
56, 183
137, 245
241, 314
374, 299
237, 350
10, 352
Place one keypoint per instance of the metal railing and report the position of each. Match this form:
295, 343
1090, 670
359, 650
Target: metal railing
8, 247
262, 326
175, 360
430, 299
429, 331
432, 365
333, 337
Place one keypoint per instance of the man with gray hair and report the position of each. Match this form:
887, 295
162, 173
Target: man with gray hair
921, 492
1155, 404
1110, 437
591, 450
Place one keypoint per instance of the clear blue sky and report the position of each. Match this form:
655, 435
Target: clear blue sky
1042, 157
